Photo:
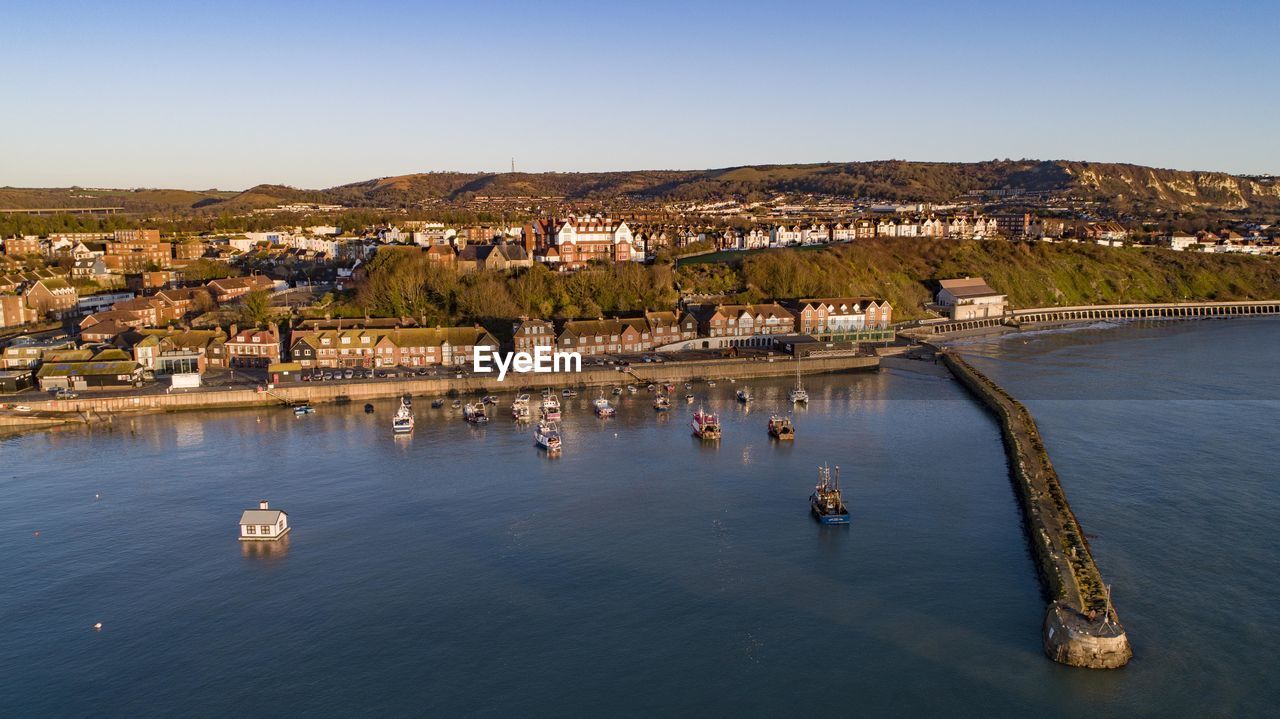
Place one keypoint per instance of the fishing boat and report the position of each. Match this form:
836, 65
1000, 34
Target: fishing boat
303, 409
547, 436
402, 423
602, 407
798, 395
744, 395
825, 502
780, 427
475, 413
520, 408
662, 403
550, 408
706, 425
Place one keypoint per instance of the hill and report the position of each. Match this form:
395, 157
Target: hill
1119, 187
1032, 275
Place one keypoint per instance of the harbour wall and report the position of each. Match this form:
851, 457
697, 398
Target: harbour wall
86, 408
1081, 627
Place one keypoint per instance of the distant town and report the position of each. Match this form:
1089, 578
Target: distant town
120, 308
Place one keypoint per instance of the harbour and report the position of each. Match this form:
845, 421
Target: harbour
695, 568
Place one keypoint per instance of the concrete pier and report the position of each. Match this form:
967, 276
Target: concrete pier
1081, 627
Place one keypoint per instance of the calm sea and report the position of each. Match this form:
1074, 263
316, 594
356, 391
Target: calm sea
461, 572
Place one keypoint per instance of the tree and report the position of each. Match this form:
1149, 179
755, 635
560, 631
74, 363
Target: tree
255, 308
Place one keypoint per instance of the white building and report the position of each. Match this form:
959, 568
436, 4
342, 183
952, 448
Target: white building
263, 523
970, 298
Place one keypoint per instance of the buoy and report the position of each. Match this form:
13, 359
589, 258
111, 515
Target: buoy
35, 534
97, 627
97, 496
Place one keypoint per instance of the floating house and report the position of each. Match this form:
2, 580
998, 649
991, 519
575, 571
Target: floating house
263, 524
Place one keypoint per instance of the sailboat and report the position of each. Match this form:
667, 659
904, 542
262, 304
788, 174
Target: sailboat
798, 395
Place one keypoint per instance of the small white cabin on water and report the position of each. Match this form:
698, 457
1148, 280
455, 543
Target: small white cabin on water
263, 523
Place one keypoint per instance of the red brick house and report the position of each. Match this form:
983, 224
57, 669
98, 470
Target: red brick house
253, 347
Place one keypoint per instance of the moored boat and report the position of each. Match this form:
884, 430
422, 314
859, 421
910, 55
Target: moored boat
744, 395
402, 423
547, 436
798, 395
688, 398
706, 425
520, 408
550, 408
407, 400
602, 407
662, 403
711, 383
475, 413
437, 403
826, 502
303, 409
368, 409
780, 427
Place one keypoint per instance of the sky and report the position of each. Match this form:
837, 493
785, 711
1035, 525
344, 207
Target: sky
313, 94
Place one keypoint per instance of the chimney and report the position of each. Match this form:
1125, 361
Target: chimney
262, 504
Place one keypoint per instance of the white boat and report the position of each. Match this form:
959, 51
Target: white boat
520, 408
798, 395
744, 395
711, 383
547, 436
602, 407
402, 423
475, 413
550, 408
631, 389
662, 403
299, 410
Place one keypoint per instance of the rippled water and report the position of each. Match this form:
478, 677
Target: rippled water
460, 571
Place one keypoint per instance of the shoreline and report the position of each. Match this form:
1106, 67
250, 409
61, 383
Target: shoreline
90, 410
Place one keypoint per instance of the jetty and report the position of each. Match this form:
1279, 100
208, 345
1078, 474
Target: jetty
1081, 627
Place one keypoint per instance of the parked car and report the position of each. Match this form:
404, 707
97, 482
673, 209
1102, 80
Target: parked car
22, 408
348, 374
66, 394
328, 375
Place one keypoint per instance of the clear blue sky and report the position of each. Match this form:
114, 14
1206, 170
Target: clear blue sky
312, 94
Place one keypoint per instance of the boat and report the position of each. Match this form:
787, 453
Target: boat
566, 392
631, 389
368, 409
550, 408
825, 502
798, 395
662, 403
688, 385
706, 425
520, 408
303, 409
475, 413
744, 395
489, 399
402, 423
711, 383
780, 427
688, 398
617, 391
457, 403
547, 436
651, 387
407, 400
602, 407
437, 403
668, 387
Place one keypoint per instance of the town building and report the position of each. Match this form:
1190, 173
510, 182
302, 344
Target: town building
253, 347
529, 334
969, 298
726, 325
100, 372
392, 347
840, 315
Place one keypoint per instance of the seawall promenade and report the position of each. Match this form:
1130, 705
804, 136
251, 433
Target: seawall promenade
88, 407
1018, 319
1080, 627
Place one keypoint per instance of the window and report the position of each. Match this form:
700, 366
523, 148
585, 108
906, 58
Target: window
265, 529
250, 529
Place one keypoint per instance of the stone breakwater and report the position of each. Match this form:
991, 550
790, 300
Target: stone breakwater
89, 408
1081, 627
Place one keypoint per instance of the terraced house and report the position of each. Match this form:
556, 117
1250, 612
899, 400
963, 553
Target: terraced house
840, 315
394, 347
743, 325
625, 335
253, 347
